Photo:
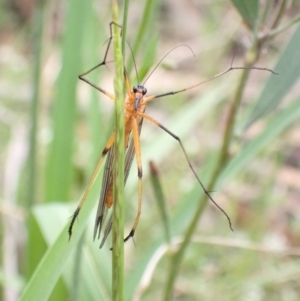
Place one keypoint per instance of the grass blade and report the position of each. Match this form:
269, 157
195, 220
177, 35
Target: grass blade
285, 119
51, 266
277, 87
119, 165
59, 168
160, 199
248, 9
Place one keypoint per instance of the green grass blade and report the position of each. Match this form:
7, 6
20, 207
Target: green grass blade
59, 168
94, 279
277, 87
285, 119
160, 200
248, 9
95, 35
124, 24
52, 265
38, 28
149, 57
142, 36
118, 165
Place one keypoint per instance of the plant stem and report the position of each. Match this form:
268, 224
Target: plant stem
118, 183
221, 162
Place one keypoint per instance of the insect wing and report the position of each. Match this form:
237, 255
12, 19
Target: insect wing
107, 182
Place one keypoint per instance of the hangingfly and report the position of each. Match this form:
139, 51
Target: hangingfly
134, 108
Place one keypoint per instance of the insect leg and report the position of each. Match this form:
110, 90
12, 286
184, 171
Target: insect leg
104, 152
128, 161
150, 98
82, 76
136, 140
153, 121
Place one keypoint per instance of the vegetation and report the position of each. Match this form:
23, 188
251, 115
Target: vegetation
240, 132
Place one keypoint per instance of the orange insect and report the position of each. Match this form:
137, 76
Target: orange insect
134, 107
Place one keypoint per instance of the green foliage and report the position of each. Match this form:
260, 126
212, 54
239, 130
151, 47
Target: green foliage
58, 183
277, 87
73, 122
248, 9
118, 164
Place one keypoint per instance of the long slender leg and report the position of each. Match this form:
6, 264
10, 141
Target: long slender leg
153, 121
104, 152
150, 98
136, 140
82, 76
111, 139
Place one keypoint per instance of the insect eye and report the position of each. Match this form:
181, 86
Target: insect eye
135, 89
144, 91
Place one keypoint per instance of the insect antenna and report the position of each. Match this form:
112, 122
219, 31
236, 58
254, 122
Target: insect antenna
134, 63
183, 45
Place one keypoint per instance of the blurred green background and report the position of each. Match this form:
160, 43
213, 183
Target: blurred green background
53, 128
